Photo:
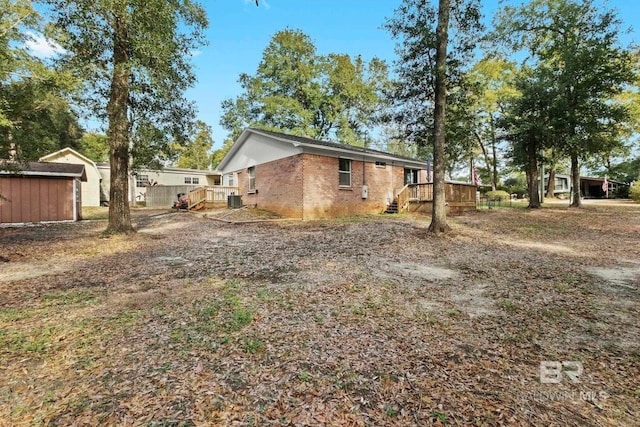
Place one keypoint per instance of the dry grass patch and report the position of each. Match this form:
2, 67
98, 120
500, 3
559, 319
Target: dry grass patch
358, 322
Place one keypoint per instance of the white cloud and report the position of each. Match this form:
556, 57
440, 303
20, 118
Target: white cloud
41, 46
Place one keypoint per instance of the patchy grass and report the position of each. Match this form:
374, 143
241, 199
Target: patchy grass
355, 321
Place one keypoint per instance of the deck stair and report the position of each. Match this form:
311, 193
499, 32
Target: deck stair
392, 208
197, 199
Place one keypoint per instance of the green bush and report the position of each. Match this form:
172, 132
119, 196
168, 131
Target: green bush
634, 192
497, 195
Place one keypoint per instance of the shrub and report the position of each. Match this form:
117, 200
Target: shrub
497, 195
634, 192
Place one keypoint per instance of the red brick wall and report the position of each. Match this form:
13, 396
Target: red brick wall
323, 197
307, 186
278, 185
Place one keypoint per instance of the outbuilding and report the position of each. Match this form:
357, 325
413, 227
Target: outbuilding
39, 191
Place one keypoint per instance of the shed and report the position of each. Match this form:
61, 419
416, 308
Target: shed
90, 186
36, 192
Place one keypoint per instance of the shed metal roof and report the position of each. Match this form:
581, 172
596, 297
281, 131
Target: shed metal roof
45, 169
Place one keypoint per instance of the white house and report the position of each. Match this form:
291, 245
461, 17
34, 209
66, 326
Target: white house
95, 191
142, 179
90, 189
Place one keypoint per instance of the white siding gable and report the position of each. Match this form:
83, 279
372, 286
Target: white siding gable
91, 188
259, 149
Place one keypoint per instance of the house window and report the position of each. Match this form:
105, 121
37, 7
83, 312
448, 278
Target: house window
345, 172
411, 176
187, 180
195, 180
230, 181
142, 180
381, 164
252, 178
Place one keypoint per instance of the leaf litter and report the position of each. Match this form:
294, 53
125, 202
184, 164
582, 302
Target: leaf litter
364, 321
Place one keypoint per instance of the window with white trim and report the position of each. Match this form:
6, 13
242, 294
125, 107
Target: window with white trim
195, 180
142, 180
252, 178
187, 180
344, 170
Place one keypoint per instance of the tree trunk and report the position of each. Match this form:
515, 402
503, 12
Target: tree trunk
494, 160
551, 185
534, 187
118, 134
439, 213
486, 158
576, 200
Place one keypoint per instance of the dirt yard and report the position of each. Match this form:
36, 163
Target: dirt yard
362, 321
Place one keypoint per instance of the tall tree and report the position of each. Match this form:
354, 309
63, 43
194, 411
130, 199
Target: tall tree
439, 212
296, 90
40, 119
527, 122
195, 155
427, 70
133, 56
492, 81
35, 115
95, 146
17, 18
588, 66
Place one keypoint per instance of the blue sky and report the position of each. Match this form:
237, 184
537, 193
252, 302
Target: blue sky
239, 31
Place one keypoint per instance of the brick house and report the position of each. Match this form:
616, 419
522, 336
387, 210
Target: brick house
305, 178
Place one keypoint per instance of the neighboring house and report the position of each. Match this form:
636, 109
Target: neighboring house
90, 187
590, 187
36, 192
304, 178
95, 191
180, 180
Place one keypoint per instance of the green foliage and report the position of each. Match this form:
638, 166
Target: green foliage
497, 195
35, 116
134, 59
516, 184
95, 146
626, 171
218, 155
492, 83
298, 91
41, 119
578, 67
414, 27
634, 191
195, 154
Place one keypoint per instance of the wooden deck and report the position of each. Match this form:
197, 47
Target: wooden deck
210, 197
460, 197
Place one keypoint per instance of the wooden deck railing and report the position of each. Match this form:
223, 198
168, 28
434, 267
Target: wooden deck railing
421, 192
196, 198
403, 199
454, 193
219, 194
209, 196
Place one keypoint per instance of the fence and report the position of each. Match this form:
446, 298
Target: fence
163, 196
460, 197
